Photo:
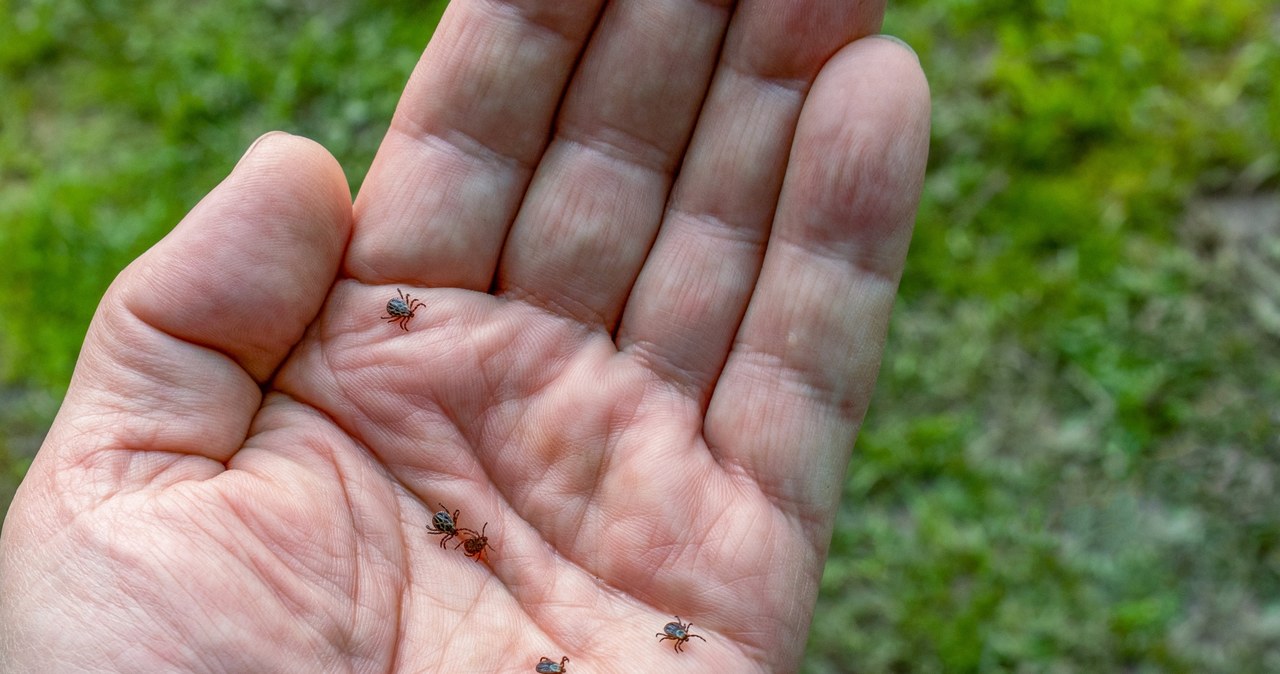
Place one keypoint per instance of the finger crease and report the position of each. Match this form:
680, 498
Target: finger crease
619, 145
790, 87
660, 361
715, 226
559, 308
514, 9
462, 143
859, 259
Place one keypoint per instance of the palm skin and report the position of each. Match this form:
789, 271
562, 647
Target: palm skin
656, 277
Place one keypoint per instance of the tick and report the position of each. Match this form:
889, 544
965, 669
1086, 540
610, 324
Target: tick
447, 525
677, 632
474, 546
548, 666
400, 309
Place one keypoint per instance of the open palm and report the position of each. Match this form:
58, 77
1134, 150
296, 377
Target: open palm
656, 246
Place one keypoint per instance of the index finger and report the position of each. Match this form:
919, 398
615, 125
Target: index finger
471, 124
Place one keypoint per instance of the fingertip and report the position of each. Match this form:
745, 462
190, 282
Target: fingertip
258, 141
304, 162
890, 65
868, 118
248, 268
895, 40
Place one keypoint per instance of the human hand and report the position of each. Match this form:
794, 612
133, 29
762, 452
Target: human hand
643, 352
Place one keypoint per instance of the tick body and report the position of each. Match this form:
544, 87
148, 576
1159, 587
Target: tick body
401, 309
677, 632
444, 524
549, 666
476, 544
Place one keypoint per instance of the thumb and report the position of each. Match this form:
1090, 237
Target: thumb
170, 374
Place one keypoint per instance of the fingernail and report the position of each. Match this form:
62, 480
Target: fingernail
900, 42
255, 144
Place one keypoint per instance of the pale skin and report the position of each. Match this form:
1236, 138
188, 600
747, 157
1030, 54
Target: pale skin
658, 245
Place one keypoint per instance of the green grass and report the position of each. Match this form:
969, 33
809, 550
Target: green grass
1072, 458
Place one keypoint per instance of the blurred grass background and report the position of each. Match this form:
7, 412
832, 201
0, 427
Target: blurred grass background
1071, 461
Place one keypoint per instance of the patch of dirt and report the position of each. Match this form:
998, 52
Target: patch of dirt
1239, 237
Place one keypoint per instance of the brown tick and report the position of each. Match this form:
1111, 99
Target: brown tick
677, 632
447, 525
400, 309
549, 666
475, 545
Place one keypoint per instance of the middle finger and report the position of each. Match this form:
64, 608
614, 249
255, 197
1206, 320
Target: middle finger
597, 197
